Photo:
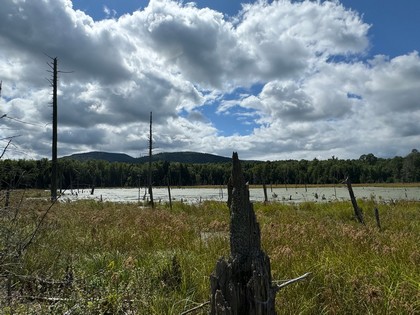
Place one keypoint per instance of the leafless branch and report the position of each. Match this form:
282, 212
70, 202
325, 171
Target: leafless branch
38, 226
48, 55
5, 148
288, 282
10, 138
196, 308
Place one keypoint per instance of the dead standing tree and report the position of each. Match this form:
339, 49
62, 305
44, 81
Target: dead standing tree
242, 284
54, 170
54, 164
150, 164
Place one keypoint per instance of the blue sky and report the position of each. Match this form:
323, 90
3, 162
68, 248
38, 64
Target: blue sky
394, 24
269, 79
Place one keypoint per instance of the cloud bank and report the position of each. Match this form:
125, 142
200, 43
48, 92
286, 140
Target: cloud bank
297, 70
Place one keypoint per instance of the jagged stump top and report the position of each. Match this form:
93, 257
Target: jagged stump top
245, 239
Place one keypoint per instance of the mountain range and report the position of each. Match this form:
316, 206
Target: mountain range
181, 157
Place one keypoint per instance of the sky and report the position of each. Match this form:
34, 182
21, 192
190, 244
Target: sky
272, 80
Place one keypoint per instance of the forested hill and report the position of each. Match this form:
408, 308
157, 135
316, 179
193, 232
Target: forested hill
186, 157
180, 157
102, 156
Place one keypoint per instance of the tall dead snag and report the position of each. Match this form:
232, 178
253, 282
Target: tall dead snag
150, 164
242, 284
54, 167
357, 211
54, 134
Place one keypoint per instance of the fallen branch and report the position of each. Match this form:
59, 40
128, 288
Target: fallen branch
46, 299
42, 281
69, 311
196, 308
288, 282
59, 299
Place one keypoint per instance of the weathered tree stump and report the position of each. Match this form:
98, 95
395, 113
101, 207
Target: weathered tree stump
242, 283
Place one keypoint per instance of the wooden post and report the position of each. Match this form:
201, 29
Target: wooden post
242, 284
357, 211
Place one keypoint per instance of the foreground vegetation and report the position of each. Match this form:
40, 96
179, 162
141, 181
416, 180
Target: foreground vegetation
107, 258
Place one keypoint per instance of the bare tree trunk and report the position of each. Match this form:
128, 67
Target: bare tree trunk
150, 164
54, 135
242, 284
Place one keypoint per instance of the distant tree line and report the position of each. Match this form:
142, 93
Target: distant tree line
83, 174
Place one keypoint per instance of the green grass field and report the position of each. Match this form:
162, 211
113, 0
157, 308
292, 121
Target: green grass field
106, 258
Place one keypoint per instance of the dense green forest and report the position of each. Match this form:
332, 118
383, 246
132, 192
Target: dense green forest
82, 174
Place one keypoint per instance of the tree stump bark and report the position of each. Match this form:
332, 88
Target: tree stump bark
242, 284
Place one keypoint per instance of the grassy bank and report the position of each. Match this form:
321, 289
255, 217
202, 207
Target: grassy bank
107, 258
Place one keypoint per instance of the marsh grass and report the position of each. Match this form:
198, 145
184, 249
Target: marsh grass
113, 258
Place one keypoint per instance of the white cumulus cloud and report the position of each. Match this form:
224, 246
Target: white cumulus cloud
318, 94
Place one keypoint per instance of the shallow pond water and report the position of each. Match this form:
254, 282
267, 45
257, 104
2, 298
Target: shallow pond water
287, 195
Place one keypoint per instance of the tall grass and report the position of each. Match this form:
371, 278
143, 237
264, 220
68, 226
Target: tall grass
123, 258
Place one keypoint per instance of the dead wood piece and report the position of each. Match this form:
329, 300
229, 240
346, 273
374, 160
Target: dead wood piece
195, 308
289, 282
242, 283
357, 211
